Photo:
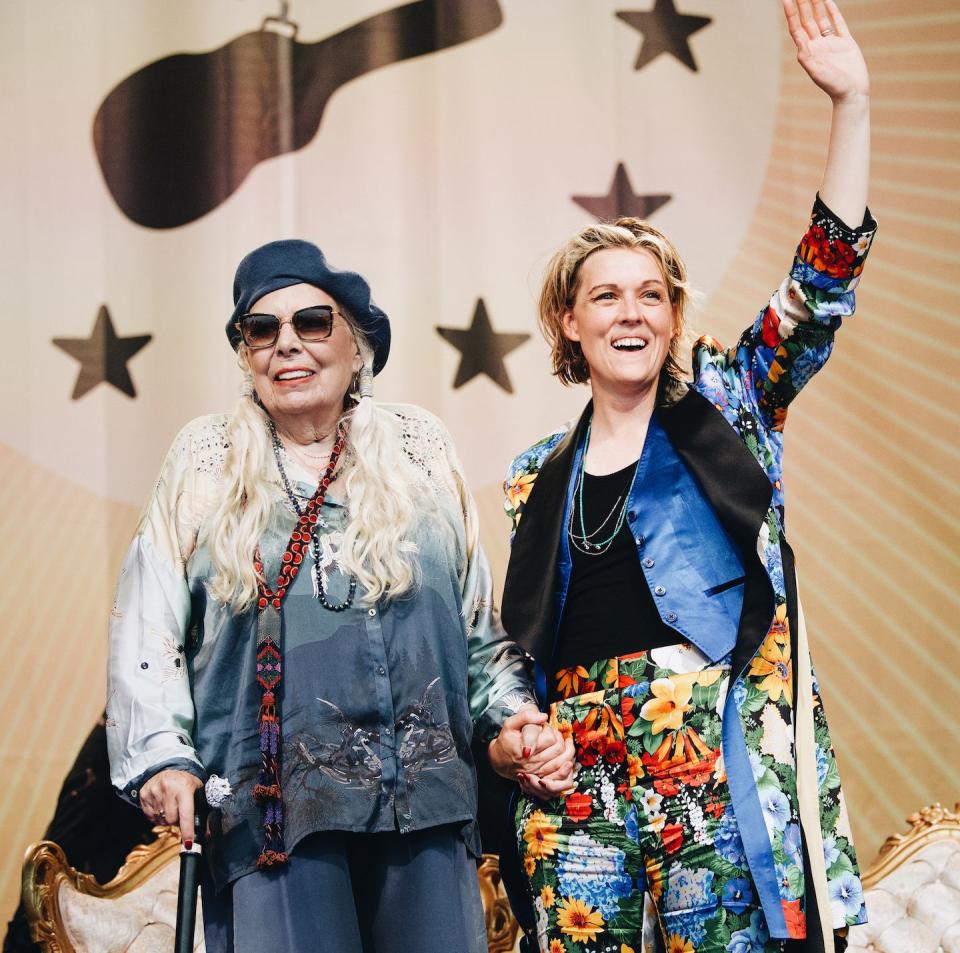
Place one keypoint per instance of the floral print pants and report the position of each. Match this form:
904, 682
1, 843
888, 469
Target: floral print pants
650, 814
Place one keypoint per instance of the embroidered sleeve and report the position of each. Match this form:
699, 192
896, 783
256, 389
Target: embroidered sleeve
791, 339
150, 713
425, 440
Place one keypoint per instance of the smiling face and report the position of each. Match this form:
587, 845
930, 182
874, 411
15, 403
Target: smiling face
299, 381
623, 319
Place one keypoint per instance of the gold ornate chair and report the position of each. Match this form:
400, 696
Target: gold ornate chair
913, 889
70, 912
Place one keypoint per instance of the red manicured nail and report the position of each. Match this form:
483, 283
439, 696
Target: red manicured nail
526, 752
188, 844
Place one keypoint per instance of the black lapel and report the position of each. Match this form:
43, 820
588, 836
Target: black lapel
740, 492
529, 590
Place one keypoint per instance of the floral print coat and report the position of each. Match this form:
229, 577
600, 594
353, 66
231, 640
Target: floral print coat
776, 750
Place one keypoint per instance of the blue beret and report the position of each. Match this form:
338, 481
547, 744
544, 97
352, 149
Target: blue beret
291, 262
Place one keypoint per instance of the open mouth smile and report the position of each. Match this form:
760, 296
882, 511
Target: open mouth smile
292, 375
629, 344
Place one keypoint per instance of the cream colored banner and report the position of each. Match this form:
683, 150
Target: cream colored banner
447, 178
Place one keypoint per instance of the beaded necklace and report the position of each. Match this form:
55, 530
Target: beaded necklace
583, 541
267, 791
318, 588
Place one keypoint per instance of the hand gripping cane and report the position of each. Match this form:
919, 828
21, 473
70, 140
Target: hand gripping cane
190, 880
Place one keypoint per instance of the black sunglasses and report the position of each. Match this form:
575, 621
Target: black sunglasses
310, 324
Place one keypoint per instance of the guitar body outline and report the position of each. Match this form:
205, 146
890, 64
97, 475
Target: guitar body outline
179, 136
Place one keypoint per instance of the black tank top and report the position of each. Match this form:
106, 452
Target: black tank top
609, 609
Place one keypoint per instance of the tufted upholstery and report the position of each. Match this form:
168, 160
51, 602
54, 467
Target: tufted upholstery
913, 889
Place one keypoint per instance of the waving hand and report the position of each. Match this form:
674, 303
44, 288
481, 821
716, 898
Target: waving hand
825, 48
832, 59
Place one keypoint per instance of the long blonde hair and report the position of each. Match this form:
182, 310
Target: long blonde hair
379, 487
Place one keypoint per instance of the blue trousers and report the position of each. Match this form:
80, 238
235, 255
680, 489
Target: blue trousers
355, 893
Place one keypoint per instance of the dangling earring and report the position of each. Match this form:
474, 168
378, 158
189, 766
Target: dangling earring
365, 381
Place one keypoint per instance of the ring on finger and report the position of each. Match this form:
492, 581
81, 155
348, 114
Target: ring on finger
828, 32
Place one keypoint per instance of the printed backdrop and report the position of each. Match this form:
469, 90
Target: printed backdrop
444, 148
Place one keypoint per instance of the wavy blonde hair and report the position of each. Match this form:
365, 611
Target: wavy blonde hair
379, 487
562, 281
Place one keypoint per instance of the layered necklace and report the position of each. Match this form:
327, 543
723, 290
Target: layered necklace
267, 791
318, 574
594, 543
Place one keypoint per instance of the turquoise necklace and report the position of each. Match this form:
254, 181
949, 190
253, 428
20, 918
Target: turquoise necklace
585, 542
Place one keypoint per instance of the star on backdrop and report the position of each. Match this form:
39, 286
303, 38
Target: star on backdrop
664, 31
482, 349
103, 356
621, 199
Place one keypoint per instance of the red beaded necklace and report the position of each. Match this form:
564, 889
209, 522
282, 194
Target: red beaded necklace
267, 790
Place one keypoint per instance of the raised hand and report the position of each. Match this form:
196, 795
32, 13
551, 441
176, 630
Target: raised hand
826, 50
831, 58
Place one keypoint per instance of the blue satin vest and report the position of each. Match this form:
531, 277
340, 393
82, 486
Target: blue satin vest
691, 564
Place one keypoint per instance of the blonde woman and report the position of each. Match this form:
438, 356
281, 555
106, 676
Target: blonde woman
652, 581
304, 627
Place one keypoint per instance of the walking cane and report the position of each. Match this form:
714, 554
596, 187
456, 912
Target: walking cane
189, 880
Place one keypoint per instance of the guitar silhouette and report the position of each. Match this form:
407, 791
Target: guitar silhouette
179, 136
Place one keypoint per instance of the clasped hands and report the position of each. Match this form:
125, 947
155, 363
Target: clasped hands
534, 754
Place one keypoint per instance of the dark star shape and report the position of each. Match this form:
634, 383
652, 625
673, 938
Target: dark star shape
664, 31
482, 349
621, 199
103, 356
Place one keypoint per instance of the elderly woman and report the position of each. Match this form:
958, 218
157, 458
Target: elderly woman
651, 580
304, 624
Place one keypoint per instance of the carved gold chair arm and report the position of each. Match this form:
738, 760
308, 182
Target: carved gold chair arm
502, 928
46, 871
927, 826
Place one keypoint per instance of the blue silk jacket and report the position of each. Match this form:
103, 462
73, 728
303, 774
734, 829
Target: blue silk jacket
379, 702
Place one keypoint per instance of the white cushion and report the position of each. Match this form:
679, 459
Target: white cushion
882, 910
903, 883
937, 906
941, 854
154, 938
907, 935
950, 941
916, 909
141, 921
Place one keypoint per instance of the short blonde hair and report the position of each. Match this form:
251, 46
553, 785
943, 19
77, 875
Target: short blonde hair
562, 280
